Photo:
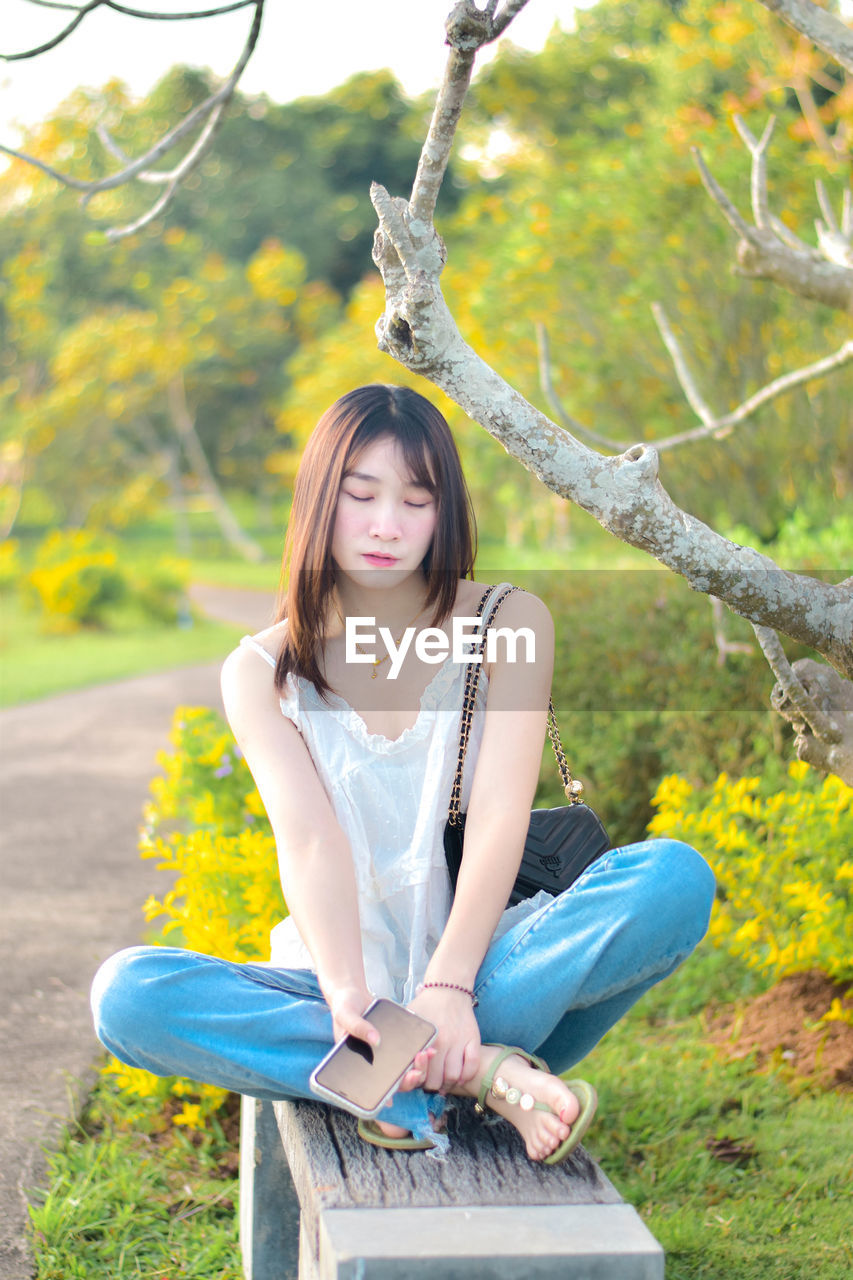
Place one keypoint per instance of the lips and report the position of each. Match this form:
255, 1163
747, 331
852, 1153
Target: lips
378, 560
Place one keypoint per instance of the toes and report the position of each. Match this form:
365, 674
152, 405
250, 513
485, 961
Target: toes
562, 1102
549, 1133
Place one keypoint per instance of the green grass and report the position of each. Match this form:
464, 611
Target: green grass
125, 1202
782, 1211
35, 665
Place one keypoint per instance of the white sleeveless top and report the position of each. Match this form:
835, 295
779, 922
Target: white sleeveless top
391, 797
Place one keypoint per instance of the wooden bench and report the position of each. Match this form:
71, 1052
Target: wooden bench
317, 1203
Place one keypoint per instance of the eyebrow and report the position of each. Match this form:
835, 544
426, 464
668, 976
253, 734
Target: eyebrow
362, 475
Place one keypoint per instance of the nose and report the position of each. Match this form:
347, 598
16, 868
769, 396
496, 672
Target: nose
385, 522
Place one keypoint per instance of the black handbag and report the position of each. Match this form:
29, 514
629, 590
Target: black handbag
560, 843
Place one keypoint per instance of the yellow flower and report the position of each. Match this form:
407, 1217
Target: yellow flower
190, 1115
749, 931
837, 1013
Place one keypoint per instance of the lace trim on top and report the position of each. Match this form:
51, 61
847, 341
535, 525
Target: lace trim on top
347, 716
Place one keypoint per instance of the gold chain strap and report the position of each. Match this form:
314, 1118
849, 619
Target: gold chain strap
573, 786
469, 698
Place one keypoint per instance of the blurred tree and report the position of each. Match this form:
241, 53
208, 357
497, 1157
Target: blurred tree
190, 363
588, 208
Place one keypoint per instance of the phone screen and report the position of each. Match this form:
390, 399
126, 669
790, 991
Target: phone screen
362, 1074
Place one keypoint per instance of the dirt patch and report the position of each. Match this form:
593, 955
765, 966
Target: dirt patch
783, 1026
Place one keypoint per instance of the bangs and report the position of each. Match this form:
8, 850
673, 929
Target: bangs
415, 456
409, 436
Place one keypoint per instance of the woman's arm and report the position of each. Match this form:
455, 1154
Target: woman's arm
315, 861
497, 821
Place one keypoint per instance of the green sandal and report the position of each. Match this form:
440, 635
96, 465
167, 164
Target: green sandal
495, 1085
369, 1130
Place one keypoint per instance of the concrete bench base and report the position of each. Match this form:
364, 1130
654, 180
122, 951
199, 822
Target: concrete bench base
370, 1214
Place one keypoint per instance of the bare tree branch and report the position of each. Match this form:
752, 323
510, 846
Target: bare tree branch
508, 11
468, 29
817, 702
721, 426
718, 195
685, 377
725, 646
210, 111
792, 689
787, 236
714, 425
758, 151
835, 240
623, 493
564, 418
82, 11
823, 29
766, 252
56, 40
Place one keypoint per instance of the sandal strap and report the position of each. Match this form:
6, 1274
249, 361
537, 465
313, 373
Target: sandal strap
369, 1131
506, 1051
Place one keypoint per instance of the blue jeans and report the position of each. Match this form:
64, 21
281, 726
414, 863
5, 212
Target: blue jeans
553, 985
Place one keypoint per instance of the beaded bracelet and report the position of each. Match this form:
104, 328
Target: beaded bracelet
452, 986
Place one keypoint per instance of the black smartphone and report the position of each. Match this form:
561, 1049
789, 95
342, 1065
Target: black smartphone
360, 1078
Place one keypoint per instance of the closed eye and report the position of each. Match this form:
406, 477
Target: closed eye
418, 506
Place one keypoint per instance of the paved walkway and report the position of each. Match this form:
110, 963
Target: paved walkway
74, 773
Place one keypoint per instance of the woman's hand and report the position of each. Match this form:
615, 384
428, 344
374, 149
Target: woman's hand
456, 1056
346, 1005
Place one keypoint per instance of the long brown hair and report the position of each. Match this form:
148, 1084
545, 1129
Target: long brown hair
344, 431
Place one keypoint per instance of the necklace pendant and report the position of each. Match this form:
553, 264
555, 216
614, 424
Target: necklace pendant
374, 672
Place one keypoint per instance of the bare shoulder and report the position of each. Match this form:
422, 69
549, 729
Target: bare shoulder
247, 679
520, 608
520, 612
523, 609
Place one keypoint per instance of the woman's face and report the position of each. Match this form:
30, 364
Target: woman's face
384, 521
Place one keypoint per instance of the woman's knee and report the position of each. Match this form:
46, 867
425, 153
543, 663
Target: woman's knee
118, 996
687, 880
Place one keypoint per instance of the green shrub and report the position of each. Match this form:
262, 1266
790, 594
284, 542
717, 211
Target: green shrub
782, 860
160, 593
803, 544
76, 580
205, 823
207, 828
79, 581
639, 693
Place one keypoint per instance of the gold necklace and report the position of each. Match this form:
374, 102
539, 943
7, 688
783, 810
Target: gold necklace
377, 662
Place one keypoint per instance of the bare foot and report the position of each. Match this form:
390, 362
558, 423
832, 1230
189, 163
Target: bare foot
413, 1079
542, 1131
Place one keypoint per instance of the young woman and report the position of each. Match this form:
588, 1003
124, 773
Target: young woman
351, 734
